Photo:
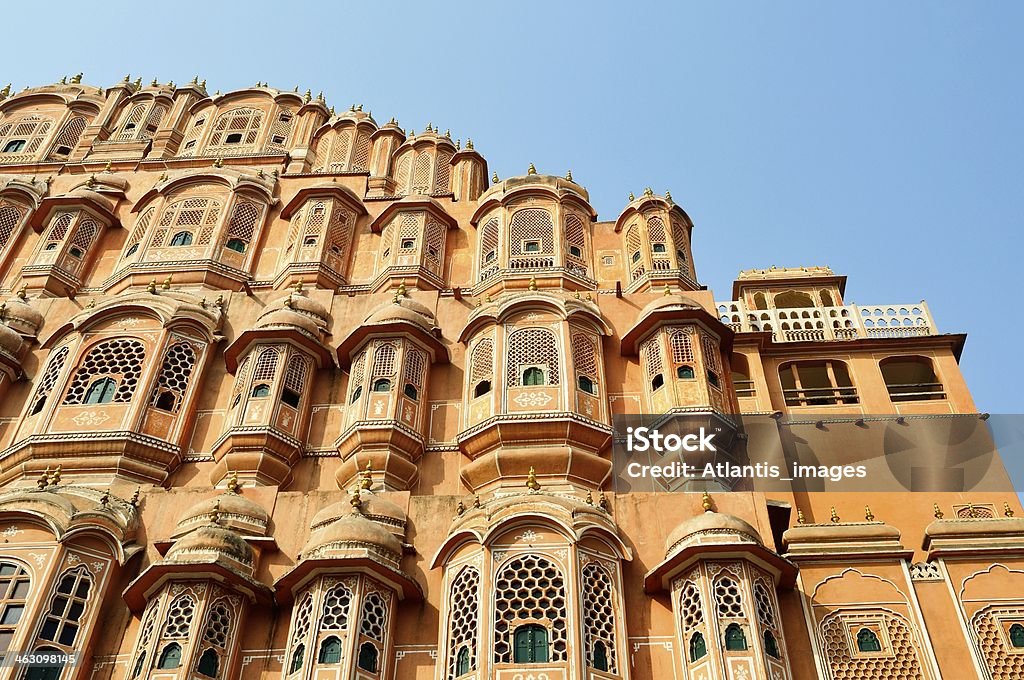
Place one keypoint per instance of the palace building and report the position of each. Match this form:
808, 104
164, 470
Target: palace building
289, 394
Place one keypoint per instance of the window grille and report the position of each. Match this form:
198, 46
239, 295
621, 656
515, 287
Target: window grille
266, 364
303, 616
358, 370
179, 617
650, 356
83, 237
598, 614
15, 586
434, 255
575, 241
531, 224
681, 344
172, 382
532, 347
241, 124
218, 625
728, 600
402, 173
361, 153
691, 613
241, 379
443, 173
295, 375
244, 220
59, 228
514, 596
49, 379
421, 171
1000, 655
281, 130
463, 620
191, 140
384, 360
584, 356
488, 261
11, 215
374, 617
483, 360
67, 606
134, 242
712, 356
120, 359
681, 242
765, 608
145, 637
338, 234
33, 130
850, 664
198, 215
336, 607
656, 230
68, 138
636, 259
341, 143
415, 365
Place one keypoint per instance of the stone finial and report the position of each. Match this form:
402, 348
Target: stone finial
6, 92
355, 501
448, 134
77, 78
460, 509
533, 283
109, 167
55, 477
1007, 512
359, 107
705, 502
195, 80
306, 97
590, 498
937, 511
835, 515
134, 500
298, 287
218, 163
23, 291
800, 517
494, 178
366, 476
233, 484
531, 170
668, 196
152, 287
668, 290
166, 285
105, 498
469, 144
531, 480
320, 97
602, 501
476, 501
331, 111
92, 304
44, 480
648, 192
401, 289
868, 515
568, 175
215, 513
631, 197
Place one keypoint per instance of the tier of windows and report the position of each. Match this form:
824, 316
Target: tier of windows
39, 136
529, 239
651, 247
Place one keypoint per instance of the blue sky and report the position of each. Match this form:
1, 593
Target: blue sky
882, 139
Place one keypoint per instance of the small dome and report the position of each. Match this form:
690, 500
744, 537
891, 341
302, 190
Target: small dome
674, 300
10, 341
297, 310
276, 318
404, 309
356, 531
20, 315
210, 542
710, 523
373, 507
234, 511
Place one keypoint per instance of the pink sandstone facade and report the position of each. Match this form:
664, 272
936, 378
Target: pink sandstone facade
285, 393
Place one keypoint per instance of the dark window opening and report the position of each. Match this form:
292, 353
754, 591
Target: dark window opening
636, 257
531, 247
490, 256
408, 244
867, 641
368, 657
290, 397
277, 139
14, 146
139, 665
233, 138
575, 251
698, 647
531, 644
300, 651
50, 246
483, 387
600, 656
771, 646
209, 663
713, 379
411, 391
101, 391
261, 390
658, 247
911, 379
357, 393
382, 385
182, 238
1017, 636
587, 385
462, 661
166, 401
735, 638
657, 382
309, 242
685, 372
330, 650
533, 376
75, 252
63, 150
236, 244
131, 251
171, 656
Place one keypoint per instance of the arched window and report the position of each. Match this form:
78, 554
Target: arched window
600, 656
483, 387
330, 650
867, 641
295, 380
245, 219
657, 382
482, 367
532, 348
297, 654
685, 373
49, 380
209, 663
68, 138
261, 390
599, 618
11, 215
67, 605
24, 134
488, 262
237, 126
531, 239
411, 391
911, 379
587, 385
140, 663
771, 645
50, 671
382, 385
531, 644
533, 376
741, 375
170, 657
172, 382
356, 393
368, 657
462, 661
735, 638
1017, 635
651, 357
14, 589
698, 646
817, 383
584, 358
101, 391
793, 299
182, 238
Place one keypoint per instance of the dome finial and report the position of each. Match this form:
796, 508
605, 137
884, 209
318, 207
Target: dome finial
835, 515
631, 197
298, 287
705, 502
355, 501
215, 513
568, 175
134, 500
868, 515
167, 283
44, 480
1007, 512
531, 170
668, 195
533, 283
602, 500
460, 509
105, 498
476, 501
800, 517
469, 144
233, 485
648, 191
590, 498
55, 477
401, 289
494, 178
531, 480
668, 290
23, 291
937, 511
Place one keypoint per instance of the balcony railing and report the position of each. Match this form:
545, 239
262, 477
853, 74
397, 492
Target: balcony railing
818, 324
820, 396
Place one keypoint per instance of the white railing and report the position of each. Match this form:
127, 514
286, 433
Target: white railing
818, 324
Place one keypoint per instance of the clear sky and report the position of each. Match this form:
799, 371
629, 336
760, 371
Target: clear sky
883, 139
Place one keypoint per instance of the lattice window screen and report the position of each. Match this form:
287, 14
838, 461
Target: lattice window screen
156, 115
120, 359
402, 168
296, 373
243, 121
488, 245
712, 357
373, 620
656, 230
514, 596
434, 255
691, 612
195, 131
59, 227
358, 372
650, 357
281, 129
49, 379
129, 126
339, 233
636, 260
138, 233
415, 367
483, 361
217, 630
303, 616
241, 378
33, 130
178, 622
598, 594
175, 371
532, 224
421, 171
681, 242
336, 606
443, 172
384, 360
463, 618
196, 215
85, 232
1002, 662
728, 599
532, 347
584, 355
361, 152
846, 664
68, 138
11, 215
681, 343
266, 364
340, 144
245, 219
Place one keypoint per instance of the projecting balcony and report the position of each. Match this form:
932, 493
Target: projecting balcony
821, 324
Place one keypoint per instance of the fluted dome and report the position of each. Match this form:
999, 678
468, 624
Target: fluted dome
20, 315
10, 341
233, 510
372, 507
353, 531
296, 310
404, 309
711, 523
213, 543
